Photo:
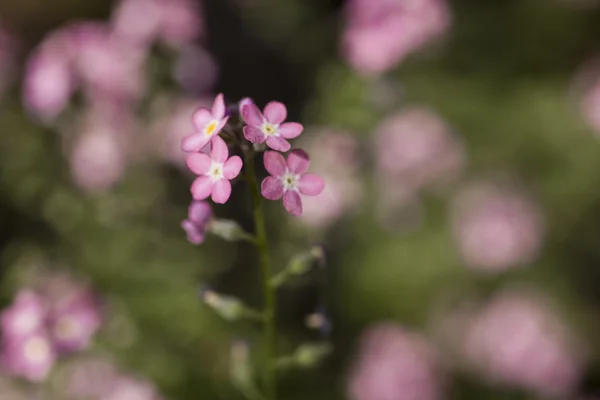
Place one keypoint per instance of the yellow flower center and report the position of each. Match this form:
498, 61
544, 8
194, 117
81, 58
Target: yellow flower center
210, 128
66, 328
216, 171
36, 349
269, 129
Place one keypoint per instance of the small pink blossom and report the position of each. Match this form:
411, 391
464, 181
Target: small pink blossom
394, 364
215, 172
30, 357
199, 215
24, 317
195, 69
208, 124
289, 179
129, 388
269, 127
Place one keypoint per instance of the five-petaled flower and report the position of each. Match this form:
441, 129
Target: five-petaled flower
215, 172
269, 127
208, 124
195, 226
289, 179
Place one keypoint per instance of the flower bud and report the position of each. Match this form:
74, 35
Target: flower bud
228, 230
310, 354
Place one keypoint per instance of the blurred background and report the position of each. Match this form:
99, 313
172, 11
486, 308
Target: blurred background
460, 143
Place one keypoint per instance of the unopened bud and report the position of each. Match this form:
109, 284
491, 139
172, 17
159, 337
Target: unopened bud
227, 307
228, 230
311, 354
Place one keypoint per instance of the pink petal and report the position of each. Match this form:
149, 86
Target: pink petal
218, 108
221, 125
311, 184
221, 191
218, 150
198, 163
201, 188
271, 188
252, 115
275, 112
298, 161
253, 134
201, 117
278, 143
232, 167
194, 142
290, 130
274, 163
199, 211
292, 203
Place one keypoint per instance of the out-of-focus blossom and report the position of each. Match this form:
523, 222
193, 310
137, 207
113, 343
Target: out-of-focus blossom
49, 78
195, 226
88, 377
128, 388
74, 323
24, 317
496, 228
289, 179
381, 33
516, 339
215, 172
98, 157
195, 70
175, 22
415, 149
270, 127
208, 124
334, 156
394, 364
30, 357
591, 106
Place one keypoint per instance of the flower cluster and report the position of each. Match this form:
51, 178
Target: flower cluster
37, 328
210, 160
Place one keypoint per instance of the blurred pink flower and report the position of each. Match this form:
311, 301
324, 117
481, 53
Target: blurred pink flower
394, 364
269, 127
496, 228
208, 124
30, 357
516, 339
195, 69
289, 179
334, 156
199, 215
215, 172
181, 22
128, 388
26, 316
416, 149
74, 323
381, 33
88, 377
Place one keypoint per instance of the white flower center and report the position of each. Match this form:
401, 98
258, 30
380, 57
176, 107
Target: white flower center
269, 129
215, 171
290, 181
210, 127
67, 328
36, 349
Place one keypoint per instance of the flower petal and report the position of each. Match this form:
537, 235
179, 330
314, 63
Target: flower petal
253, 134
201, 117
221, 125
271, 188
218, 108
292, 203
274, 163
311, 184
218, 150
201, 188
252, 115
194, 142
298, 161
232, 167
275, 112
199, 211
195, 235
221, 191
198, 163
278, 143
290, 130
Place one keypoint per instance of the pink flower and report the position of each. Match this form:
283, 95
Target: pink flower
269, 127
208, 124
199, 215
288, 179
394, 364
30, 357
129, 388
75, 322
215, 172
24, 317
195, 69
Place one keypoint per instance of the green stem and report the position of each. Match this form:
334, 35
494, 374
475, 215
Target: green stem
269, 377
